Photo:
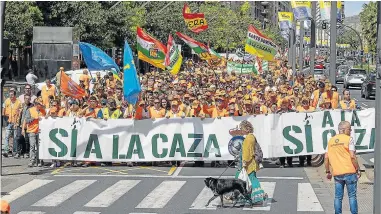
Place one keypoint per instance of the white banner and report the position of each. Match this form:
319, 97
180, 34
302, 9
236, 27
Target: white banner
123, 140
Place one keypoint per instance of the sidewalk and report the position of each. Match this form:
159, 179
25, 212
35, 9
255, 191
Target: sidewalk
325, 191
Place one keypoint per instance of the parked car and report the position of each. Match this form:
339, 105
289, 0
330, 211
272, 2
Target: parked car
341, 72
354, 77
74, 75
318, 73
319, 66
368, 87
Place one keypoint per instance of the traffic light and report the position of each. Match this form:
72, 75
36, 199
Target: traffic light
324, 26
119, 53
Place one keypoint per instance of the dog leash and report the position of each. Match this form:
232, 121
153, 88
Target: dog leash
227, 169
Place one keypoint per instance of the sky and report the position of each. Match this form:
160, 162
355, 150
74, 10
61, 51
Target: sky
352, 8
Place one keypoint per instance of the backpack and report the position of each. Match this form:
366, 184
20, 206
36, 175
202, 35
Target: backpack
258, 154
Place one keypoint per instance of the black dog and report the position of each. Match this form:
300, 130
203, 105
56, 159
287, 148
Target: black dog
223, 186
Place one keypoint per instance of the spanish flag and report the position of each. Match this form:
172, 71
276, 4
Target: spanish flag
195, 22
71, 88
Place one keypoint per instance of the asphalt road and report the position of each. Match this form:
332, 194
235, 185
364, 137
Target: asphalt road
158, 190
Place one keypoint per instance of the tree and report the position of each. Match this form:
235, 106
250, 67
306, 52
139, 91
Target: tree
104, 24
368, 20
349, 37
20, 17
88, 19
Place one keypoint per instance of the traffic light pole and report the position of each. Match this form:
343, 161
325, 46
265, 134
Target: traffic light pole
2, 17
333, 34
377, 146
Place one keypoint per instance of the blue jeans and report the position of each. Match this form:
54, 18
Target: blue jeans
351, 181
9, 131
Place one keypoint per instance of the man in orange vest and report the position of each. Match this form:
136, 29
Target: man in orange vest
11, 110
341, 156
347, 103
31, 124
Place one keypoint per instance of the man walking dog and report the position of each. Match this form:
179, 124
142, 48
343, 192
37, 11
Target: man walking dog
341, 156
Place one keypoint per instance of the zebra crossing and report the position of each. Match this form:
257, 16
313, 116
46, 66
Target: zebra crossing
156, 200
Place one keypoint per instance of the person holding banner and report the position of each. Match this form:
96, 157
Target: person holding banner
31, 125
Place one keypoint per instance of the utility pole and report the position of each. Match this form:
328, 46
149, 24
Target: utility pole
313, 38
377, 146
333, 33
293, 48
301, 43
2, 17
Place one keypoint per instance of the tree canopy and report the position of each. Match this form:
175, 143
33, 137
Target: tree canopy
108, 24
368, 20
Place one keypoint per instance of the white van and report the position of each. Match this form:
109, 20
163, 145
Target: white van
74, 75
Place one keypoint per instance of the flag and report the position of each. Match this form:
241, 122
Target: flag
325, 10
173, 58
285, 20
301, 9
150, 50
96, 59
199, 48
259, 45
70, 88
131, 84
195, 22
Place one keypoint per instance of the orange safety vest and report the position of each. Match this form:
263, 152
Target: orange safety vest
12, 109
339, 156
352, 105
35, 114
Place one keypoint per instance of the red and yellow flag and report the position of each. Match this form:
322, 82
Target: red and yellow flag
195, 22
71, 88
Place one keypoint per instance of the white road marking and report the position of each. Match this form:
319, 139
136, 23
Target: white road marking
269, 188
84, 212
61, 195
176, 173
166, 176
307, 199
143, 213
161, 195
24, 189
113, 193
31, 212
203, 198
372, 160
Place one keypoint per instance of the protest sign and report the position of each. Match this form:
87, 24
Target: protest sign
189, 139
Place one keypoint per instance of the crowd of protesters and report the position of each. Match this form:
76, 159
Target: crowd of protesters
200, 90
